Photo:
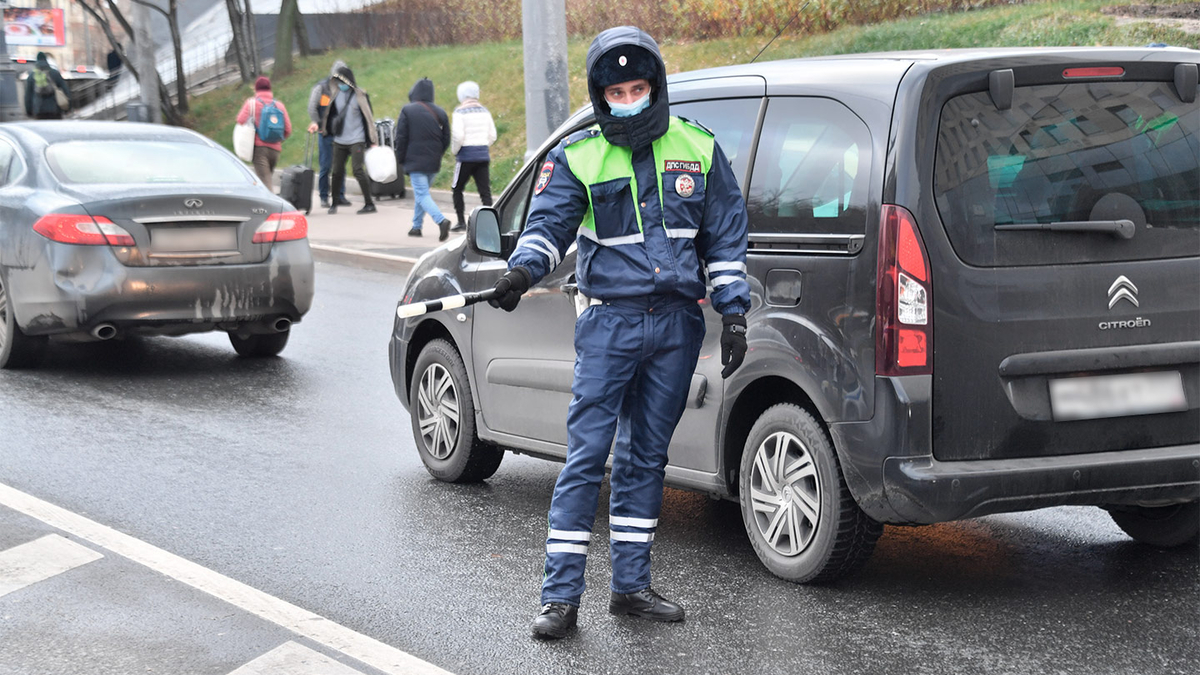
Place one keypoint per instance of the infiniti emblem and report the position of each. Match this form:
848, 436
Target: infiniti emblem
193, 203
1122, 289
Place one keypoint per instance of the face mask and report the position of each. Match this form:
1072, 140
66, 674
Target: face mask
629, 109
344, 87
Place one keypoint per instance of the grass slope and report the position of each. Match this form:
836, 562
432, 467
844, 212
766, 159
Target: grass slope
498, 67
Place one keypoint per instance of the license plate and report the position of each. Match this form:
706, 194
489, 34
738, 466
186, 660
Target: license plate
1085, 398
189, 239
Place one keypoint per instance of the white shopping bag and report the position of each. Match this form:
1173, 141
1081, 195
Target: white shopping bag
243, 141
381, 164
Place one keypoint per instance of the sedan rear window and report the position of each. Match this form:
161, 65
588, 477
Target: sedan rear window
1017, 186
125, 162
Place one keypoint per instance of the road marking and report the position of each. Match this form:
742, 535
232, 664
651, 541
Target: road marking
291, 658
317, 628
39, 560
367, 254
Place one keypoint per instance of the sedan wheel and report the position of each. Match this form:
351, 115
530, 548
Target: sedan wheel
443, 418
801, 518
17, 350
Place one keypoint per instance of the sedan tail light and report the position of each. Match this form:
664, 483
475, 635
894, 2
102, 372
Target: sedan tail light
73, 228
285, 226
904, 300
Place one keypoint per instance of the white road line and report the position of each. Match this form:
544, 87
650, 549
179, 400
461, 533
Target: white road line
39, 560
367, 254
291, 658
300, 621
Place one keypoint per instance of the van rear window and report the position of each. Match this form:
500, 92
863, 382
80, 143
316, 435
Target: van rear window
1053, 157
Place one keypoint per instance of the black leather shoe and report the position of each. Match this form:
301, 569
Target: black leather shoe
343, 202
646, 604
369, 208
554, 620
459, 227
444, 230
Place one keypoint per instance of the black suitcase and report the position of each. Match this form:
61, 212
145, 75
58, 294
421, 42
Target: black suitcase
385, 129
296, 183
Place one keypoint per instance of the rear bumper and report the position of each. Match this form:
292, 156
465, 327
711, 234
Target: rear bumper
888, 464
75, 288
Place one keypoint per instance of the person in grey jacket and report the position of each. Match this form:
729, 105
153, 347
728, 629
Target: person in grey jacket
422, 136
318, 101
350, 122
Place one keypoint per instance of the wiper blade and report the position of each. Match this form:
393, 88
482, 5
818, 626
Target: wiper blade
1118, 228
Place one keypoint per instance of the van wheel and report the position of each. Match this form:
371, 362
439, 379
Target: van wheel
443, 418
799, 515
1161, 526
259, 346
17, 350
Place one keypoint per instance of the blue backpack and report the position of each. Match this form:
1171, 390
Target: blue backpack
270, 123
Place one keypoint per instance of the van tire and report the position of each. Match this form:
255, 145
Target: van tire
454, 453
1161, 526
17, 350
844, 536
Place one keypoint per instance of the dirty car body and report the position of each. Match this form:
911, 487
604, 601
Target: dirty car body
181, 245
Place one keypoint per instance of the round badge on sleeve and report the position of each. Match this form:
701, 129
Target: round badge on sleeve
685, 186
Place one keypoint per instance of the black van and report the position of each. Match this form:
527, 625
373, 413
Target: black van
949, 257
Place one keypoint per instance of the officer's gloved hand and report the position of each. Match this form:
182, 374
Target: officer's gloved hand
510, 287
733, 343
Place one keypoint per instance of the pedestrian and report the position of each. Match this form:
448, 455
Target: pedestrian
350, 122
422, 136
318, 101
652, 204
271, 126
44, 87
472, 132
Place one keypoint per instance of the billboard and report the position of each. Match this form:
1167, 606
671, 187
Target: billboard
34, 27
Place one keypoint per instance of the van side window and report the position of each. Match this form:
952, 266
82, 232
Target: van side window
732, 122
811, 171
512, 212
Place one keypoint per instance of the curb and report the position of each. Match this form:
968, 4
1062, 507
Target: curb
379, 262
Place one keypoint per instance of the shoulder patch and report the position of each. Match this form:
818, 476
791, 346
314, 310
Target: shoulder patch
580, 135
699, 126
544, 177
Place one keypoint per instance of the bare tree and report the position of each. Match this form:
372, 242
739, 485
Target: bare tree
171, 14
241, 46
285, 27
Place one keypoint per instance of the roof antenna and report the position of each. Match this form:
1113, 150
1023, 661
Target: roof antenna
785, 27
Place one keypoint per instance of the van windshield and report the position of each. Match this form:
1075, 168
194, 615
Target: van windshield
1053, 157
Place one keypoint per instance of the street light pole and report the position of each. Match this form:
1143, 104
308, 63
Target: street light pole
10, 109
544, 32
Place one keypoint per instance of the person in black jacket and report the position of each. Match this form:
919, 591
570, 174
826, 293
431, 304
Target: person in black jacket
41, 88
422, 136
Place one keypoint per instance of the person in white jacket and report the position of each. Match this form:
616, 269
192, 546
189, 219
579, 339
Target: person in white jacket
472, 131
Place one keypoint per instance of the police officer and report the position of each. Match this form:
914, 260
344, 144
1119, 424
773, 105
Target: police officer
656, 213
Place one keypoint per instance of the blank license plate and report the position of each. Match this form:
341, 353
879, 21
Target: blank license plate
1085, 398
188, 239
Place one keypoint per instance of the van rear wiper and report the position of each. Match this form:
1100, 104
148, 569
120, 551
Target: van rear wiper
1118, 228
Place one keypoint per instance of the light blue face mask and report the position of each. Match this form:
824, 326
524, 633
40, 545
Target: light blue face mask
629, 109
343, 86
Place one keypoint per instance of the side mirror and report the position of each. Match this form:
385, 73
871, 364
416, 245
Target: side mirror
483, 231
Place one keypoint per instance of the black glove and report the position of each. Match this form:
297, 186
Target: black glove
510, 287
733, 343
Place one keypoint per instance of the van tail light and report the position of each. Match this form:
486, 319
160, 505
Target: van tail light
904, 299
1102, 71
73, 228
285, 226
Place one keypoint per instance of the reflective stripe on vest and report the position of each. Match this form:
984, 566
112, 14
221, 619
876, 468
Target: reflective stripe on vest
594, 160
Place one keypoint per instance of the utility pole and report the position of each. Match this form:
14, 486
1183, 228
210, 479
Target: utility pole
10, 110
544, 30
146, 66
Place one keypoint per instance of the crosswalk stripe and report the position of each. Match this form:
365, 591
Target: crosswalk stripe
291, 658
368, 650
39, 560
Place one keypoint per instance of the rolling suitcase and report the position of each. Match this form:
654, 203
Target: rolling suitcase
385, 129
296, 183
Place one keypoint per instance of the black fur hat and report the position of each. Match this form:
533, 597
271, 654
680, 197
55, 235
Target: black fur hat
624, 63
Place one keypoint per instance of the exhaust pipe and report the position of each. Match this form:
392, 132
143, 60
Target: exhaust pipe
282, 325
105, 331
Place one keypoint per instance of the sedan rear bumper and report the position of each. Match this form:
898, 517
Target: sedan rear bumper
80, 287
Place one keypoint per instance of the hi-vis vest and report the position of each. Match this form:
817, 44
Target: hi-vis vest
682, 157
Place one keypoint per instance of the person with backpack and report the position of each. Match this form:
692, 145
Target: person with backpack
271, 126
422, 136
46, 93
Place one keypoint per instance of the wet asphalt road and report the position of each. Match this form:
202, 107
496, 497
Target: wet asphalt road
298, 477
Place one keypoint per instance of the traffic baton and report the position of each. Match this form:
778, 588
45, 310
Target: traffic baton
449, 302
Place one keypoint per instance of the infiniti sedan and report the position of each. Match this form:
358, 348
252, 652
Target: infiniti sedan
111, 229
